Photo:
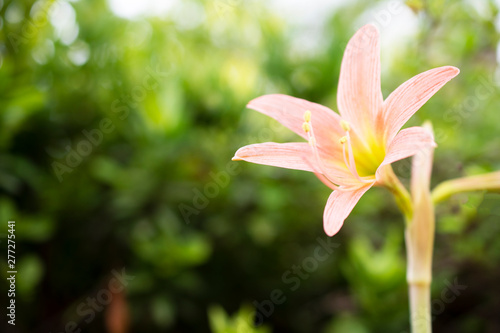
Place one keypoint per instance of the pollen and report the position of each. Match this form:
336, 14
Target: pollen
343, 139
345, 125
307, 116
306, 127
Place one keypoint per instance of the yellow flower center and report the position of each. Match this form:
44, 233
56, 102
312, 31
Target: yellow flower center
368, 154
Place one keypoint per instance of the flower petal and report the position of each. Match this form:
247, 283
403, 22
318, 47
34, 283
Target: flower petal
339, 206
289, 111
359, 97
283, 155
403, 102
294, 155
407, 143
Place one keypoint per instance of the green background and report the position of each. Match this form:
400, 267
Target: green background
163, 98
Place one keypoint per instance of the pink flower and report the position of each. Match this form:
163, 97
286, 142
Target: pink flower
349, 152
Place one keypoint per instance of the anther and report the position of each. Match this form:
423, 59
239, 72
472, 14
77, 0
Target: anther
343, 139
307, 116
306, 127
345, 125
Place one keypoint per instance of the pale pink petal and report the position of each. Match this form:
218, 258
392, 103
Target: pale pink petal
359, 97
289, 111
283, 155
403, 102
295, 155
337, 173
407, 143
339, 206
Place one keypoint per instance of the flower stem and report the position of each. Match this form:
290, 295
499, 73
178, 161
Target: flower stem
418, 210
401, 195
420, 307
419, 237
488, 181
419, 244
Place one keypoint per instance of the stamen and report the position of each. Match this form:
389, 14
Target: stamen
307, 127
345, 156
349, 162
307, 116
345, 125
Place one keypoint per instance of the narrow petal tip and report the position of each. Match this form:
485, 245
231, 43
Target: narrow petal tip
252, 102
454, 71
255, 102
370, 28
249, 104
329, 231
339, 206
237, 155
363, 38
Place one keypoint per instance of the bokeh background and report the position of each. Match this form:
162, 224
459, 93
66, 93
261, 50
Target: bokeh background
118, 121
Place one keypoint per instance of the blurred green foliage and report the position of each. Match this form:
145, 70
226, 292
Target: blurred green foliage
220, 323
116, 137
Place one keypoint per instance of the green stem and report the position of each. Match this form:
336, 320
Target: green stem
418, 210
420, 307
401, 195
488, 181
419, 238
